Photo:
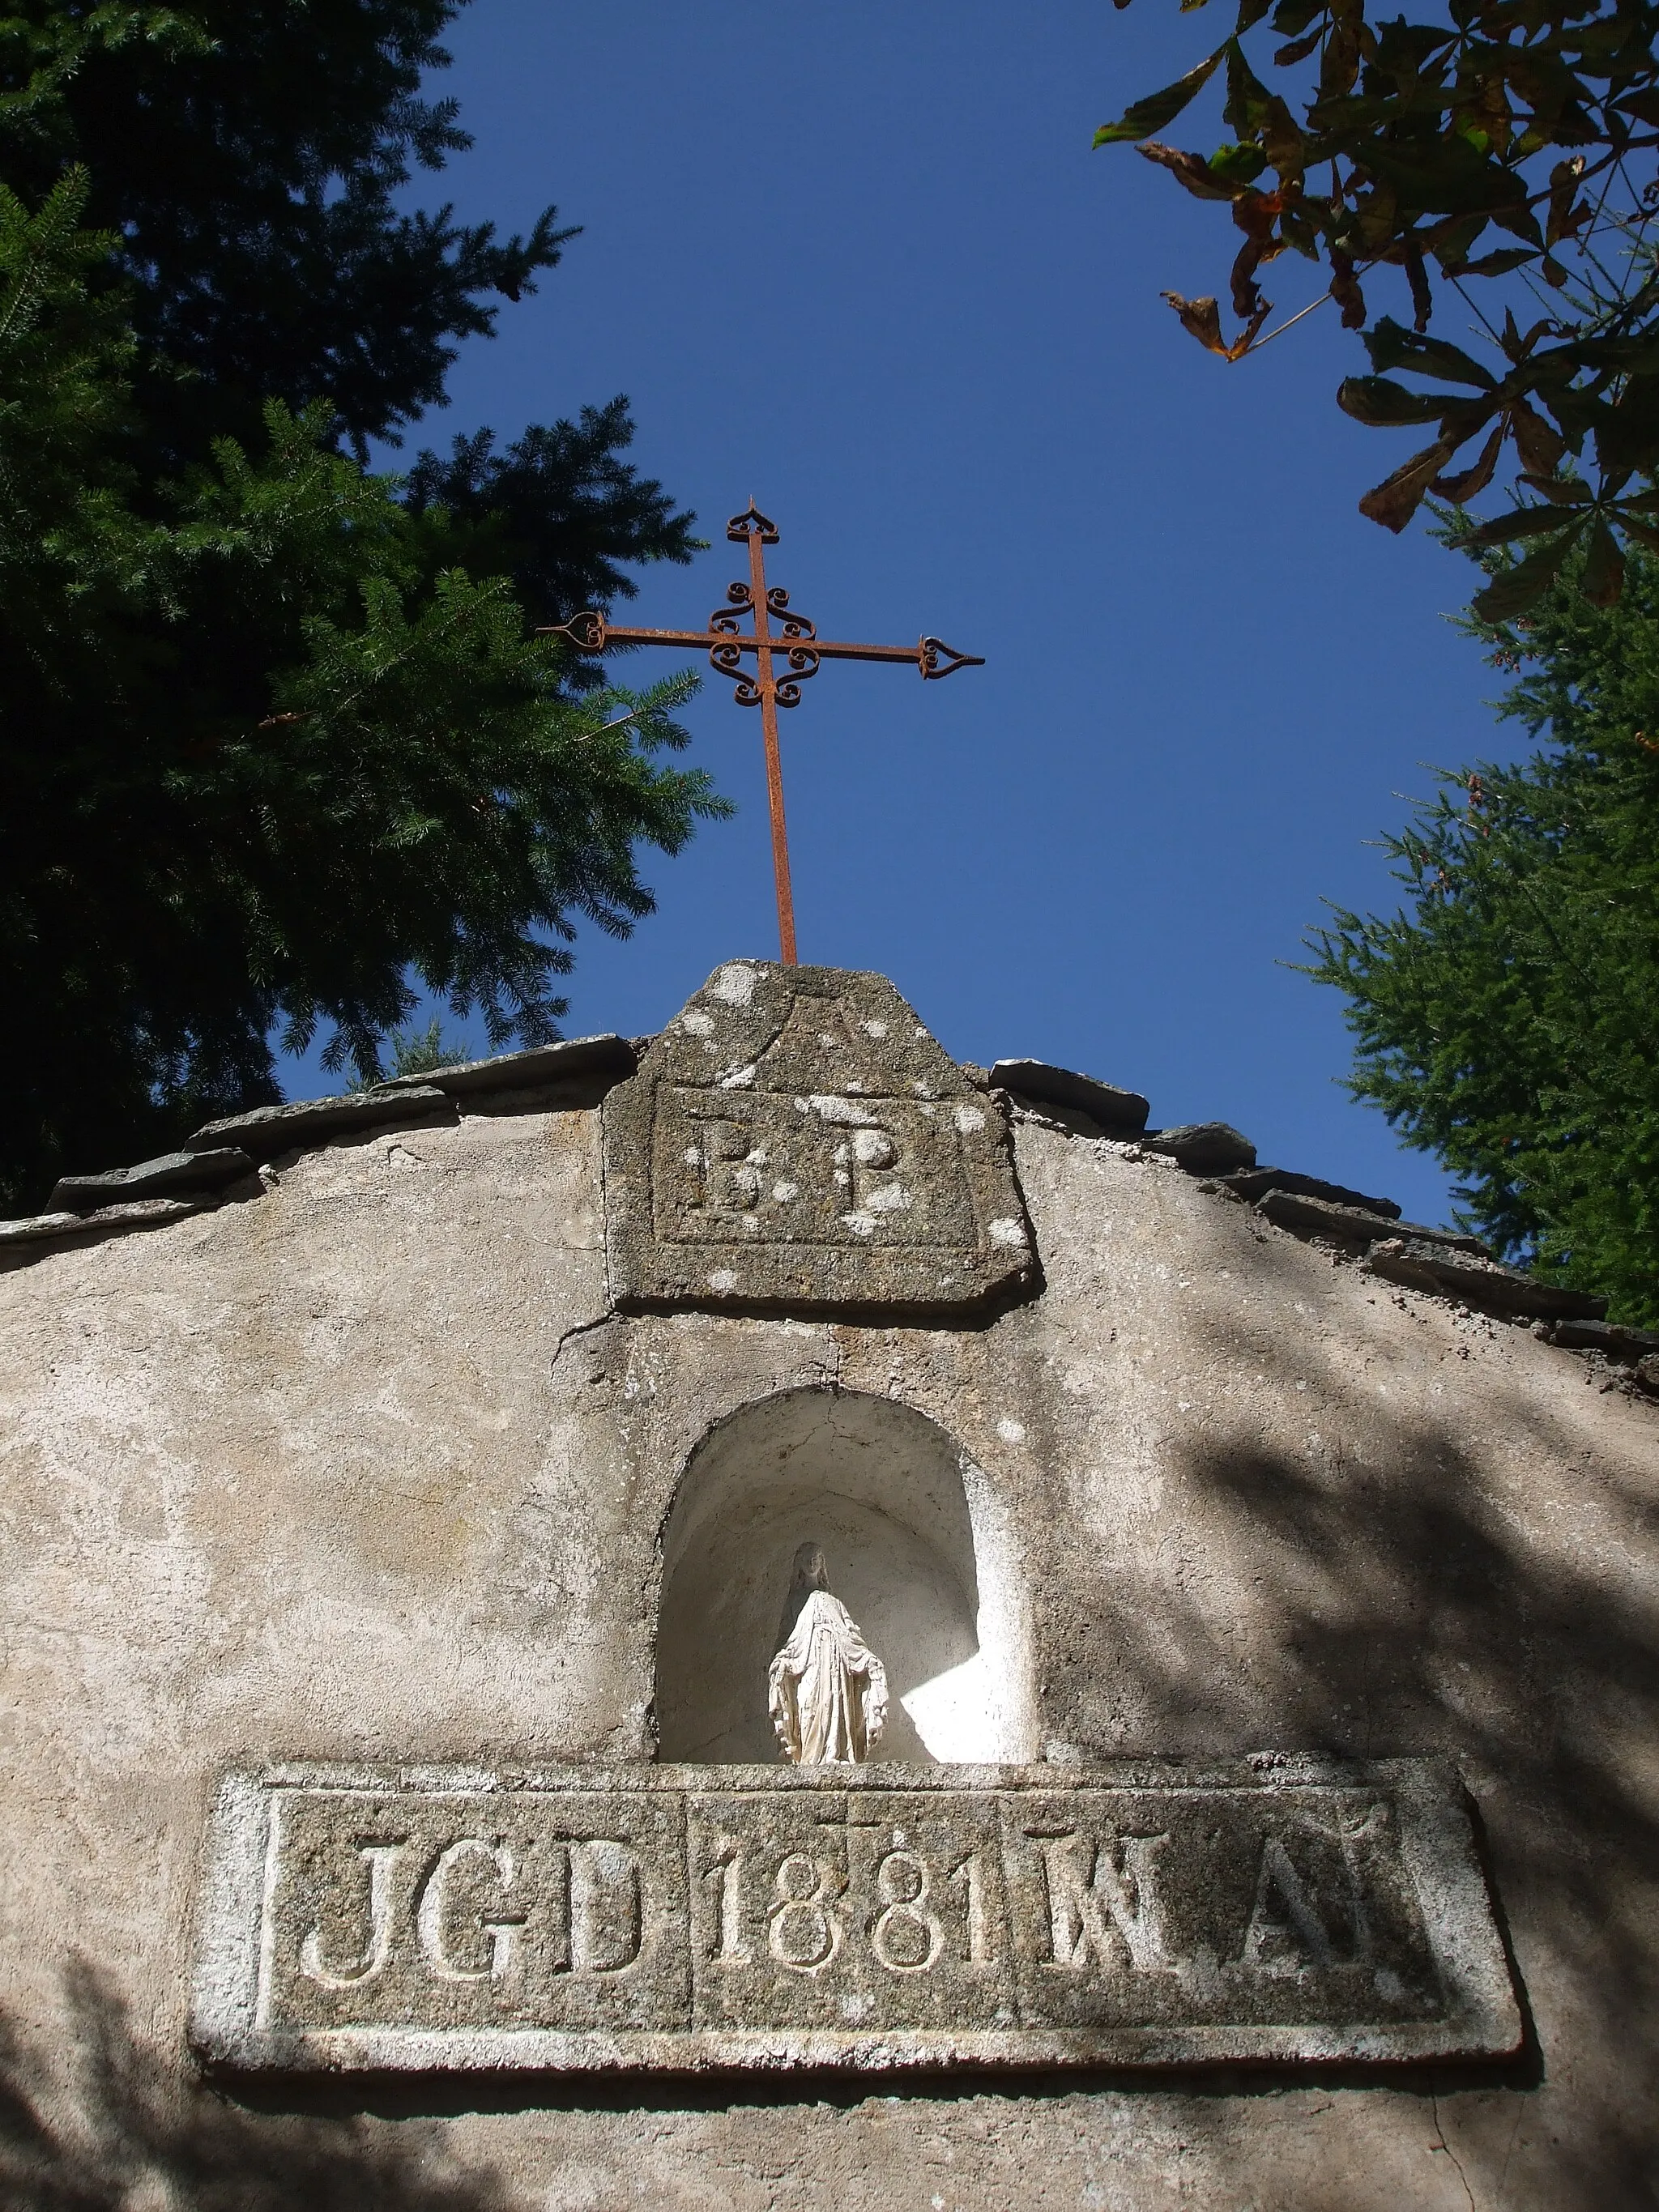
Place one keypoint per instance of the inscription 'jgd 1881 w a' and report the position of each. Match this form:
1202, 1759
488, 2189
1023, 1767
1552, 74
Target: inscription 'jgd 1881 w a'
754, 1916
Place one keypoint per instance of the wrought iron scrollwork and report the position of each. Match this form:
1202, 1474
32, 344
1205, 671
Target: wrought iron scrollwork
740, 600
751, 523
799, 632
792, 646
777, 603
585, 631
802, 663
726, 659
938, 659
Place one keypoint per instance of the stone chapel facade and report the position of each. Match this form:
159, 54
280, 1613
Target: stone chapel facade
399, 1496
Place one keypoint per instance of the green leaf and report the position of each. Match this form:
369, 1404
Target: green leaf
1563, 491
1390, 345
1518, 588
1404, 49
1640, 356
1237, 164
1450, 243
1298, 49
1256, 113
1248, 99
1627, 435
1445, 176
1155, 112
1496, 265
1524, 522
1521, 221
1349, 117
1383, 405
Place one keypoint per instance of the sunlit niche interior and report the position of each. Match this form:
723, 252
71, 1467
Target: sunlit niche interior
880, 1487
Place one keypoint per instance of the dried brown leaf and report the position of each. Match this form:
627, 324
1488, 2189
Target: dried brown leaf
1247, 293
1417, 277
1604, 567
1340, 65
1242, 344
1560, 491
1564, 218
1203, 319
1256, 214
1468, 482
1191, 170
1397, 498
1344, 290
1540, 444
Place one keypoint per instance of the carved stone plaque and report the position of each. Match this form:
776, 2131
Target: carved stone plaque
1146, 1915
796, 1137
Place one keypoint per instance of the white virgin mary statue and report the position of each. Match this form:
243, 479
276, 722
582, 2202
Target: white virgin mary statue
828, 1689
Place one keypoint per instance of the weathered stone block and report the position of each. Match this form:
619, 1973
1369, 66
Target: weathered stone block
159, 1178
1353, 1224
795, 1137
269, 1130
1613, 1337
1145, 1914
594, 1063
1121, 1112
1203, 1147
1425, 1263
1256, 1182
105, 1220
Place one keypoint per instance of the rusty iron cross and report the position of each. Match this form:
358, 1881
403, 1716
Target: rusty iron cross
796, 643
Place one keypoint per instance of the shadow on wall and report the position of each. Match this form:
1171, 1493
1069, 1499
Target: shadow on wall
113, 2130
116, 2130
880, 1487
1421, 1591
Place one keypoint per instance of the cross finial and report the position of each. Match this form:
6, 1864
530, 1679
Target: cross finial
751, 523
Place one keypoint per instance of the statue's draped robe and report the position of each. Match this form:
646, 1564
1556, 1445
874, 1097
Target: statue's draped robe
828, 1689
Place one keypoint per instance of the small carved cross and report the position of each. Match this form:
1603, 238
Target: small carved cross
796, 643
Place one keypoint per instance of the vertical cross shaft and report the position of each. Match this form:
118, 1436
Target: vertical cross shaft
767, 687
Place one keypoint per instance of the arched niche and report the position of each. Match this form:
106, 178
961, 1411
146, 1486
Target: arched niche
882, 1489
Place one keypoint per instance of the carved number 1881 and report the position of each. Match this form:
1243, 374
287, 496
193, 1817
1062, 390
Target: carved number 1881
804, 1925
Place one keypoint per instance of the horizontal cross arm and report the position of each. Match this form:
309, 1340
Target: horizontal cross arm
592, 633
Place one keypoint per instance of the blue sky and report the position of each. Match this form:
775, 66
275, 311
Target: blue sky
861, 263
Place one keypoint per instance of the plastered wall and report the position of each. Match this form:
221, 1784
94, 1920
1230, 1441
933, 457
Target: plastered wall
364, 1468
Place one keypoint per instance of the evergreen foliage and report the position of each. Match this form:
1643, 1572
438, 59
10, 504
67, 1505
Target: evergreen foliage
276, 733
245, 154
418, 1052
1508, 1017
